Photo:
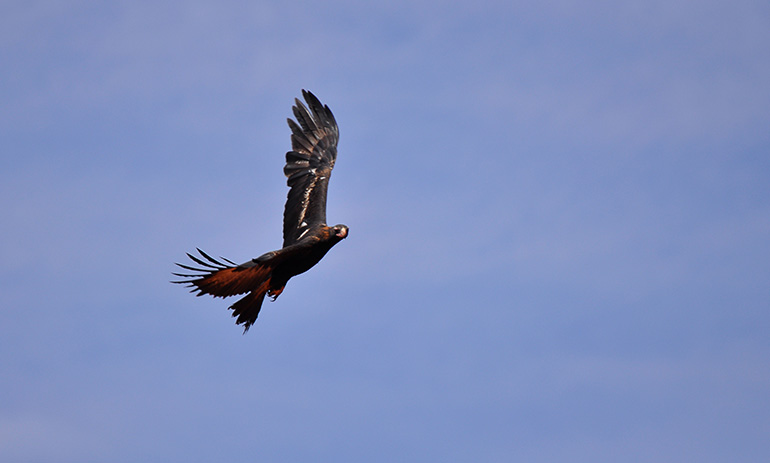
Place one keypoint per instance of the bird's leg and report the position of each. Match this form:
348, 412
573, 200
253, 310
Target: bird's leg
274, 293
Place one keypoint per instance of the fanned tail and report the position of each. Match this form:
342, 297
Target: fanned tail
247, 308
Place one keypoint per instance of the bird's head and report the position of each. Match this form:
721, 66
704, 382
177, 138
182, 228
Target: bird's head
340, 231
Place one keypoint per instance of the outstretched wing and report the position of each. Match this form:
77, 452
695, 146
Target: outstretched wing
228, 279
308, 167
223, 279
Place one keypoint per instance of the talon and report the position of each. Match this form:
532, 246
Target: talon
274, 293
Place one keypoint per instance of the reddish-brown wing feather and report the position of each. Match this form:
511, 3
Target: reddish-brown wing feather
222, 280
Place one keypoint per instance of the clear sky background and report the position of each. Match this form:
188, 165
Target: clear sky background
559, 239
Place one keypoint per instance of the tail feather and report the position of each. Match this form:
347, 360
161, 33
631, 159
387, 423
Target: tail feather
247, 308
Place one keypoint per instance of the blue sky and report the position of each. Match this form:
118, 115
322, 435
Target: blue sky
559, 231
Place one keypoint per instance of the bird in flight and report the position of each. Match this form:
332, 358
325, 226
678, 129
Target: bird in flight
306, 237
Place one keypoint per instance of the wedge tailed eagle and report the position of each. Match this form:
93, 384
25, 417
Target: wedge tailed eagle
306, 237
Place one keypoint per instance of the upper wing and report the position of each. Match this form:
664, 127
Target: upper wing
308, 167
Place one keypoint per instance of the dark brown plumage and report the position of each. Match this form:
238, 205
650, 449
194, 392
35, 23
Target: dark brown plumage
306, 237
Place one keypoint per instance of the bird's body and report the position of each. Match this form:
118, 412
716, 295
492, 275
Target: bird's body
306, 237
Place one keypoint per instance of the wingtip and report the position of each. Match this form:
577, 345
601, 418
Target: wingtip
311, 99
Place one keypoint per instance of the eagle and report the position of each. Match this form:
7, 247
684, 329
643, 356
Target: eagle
306, 237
